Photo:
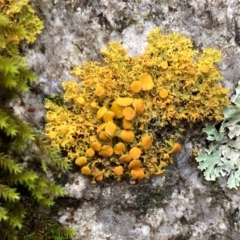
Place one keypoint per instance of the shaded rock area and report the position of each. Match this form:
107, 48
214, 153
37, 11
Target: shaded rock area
180, 205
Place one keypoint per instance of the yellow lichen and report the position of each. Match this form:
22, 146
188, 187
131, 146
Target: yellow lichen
132, 111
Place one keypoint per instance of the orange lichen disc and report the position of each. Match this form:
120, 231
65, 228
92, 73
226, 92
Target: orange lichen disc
137, 174
90, 152
166, 156
101, 127
81, 161
124, 102
93, 138
80, 101
204, 68
136, 86
146, 81
146, 142
135, 152
134, 164
176, 148
111, 129
126, 124
101, 111
138, 105
163, 93
108, 116
100, 91
104, 137
93, 104
164, 64
117, 109
125, 158
128, 113
99, 177
119, 148
106, 151
118, 170
96, 146
86, 170
127, 135
95, 171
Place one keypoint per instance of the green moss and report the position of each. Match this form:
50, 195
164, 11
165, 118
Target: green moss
26, 193
158, 94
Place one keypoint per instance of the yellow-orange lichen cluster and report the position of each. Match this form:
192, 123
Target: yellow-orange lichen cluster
114, 140
109, 122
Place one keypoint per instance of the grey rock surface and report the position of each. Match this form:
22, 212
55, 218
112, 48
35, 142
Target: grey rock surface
180, 204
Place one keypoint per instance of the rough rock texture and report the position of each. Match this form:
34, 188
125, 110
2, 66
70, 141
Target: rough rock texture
181, 204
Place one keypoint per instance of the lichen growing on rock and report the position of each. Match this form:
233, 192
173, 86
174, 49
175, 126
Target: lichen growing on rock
222, 158
109, 111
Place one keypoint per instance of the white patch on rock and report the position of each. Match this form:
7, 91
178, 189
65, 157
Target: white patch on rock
134, 40
76, 186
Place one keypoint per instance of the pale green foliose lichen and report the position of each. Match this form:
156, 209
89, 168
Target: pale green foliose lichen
222, 158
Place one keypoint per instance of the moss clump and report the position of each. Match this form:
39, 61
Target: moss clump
114, 104
26, 193
23, 19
